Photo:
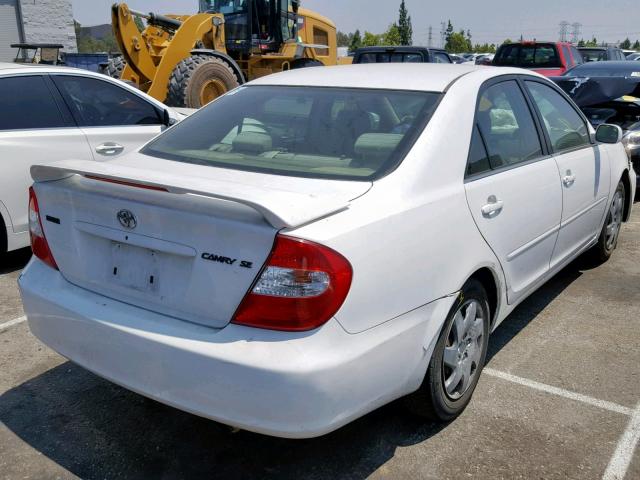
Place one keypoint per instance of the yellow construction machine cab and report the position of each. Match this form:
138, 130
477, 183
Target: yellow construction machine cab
189, 60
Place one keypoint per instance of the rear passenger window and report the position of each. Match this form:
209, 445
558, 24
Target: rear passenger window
97, 103
507, 126
565, 127
27, 103
478, 157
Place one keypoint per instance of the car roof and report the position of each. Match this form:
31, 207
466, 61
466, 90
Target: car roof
30, 67
617, 65
598, 48
426, 77
396, 48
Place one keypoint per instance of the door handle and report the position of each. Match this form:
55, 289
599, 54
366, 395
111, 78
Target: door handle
493, 208
568, 179
109, 149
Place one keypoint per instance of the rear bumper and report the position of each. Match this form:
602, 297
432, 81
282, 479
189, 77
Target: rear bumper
295, 385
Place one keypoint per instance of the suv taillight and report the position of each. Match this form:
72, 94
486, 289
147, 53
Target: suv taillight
302, 285
39, 243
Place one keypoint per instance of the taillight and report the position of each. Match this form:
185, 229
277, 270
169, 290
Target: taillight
39, 243
301, 287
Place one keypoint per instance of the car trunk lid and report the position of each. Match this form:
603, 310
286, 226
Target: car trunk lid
185, 242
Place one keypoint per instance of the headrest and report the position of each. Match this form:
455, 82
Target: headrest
377, 144
252, 142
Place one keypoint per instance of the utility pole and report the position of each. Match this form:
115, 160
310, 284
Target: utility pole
575, 33
443, 33
430, 41
564, 28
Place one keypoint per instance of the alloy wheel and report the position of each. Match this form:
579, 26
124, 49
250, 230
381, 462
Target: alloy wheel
463, 349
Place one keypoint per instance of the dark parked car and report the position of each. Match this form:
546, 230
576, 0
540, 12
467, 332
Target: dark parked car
547, 58
600, 54
609, 92
401, 55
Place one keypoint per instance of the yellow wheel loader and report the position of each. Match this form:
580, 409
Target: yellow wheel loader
189, 60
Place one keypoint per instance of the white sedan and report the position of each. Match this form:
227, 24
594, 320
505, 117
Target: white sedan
53, 113
320, 242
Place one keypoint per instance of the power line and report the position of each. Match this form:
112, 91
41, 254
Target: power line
430, 41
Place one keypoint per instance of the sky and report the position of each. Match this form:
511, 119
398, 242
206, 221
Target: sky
490, 21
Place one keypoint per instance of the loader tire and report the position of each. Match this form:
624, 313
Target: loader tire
305, 63
115, 67
198, 80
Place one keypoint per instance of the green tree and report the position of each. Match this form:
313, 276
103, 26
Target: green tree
343, 39
626, 44
448, 32
392, 36
508, 40
457, 43
371, 39
581, 43
139, 23
356, 41
636, 46
405, 29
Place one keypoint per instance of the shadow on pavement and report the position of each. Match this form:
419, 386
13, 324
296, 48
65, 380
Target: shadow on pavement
95, 429
13, 261
537, 302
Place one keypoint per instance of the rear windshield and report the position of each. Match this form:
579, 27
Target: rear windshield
538, 55
315, 132
593, 55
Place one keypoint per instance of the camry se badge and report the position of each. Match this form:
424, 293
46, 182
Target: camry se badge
127, 219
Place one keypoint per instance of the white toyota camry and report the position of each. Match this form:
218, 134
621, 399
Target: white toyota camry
320, 242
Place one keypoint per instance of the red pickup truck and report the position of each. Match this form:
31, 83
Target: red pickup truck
550, 59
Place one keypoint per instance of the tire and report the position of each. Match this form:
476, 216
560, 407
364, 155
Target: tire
3, 237
441, 397
115, 67
305, 63
199, 79
608, 239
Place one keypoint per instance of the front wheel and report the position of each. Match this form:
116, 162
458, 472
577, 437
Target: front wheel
608, 240
458, 358
198, 80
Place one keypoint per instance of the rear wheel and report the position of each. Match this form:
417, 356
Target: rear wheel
198, 80
608, 240
458, 358
3, 237
115, 67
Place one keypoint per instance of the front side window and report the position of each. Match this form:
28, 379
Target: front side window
96, 103
27, 103
565, 127
507, 126
315, 132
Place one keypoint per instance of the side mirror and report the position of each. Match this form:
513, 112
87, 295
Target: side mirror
167, 119
607, 133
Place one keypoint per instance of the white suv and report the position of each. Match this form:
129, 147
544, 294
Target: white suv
54, 113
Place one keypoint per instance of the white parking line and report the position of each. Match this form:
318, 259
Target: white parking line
11, 323
578, 397
619, 463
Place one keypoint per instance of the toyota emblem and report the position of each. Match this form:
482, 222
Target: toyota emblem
127, 219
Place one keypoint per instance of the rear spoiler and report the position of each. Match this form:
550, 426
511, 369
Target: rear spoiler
282, 209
